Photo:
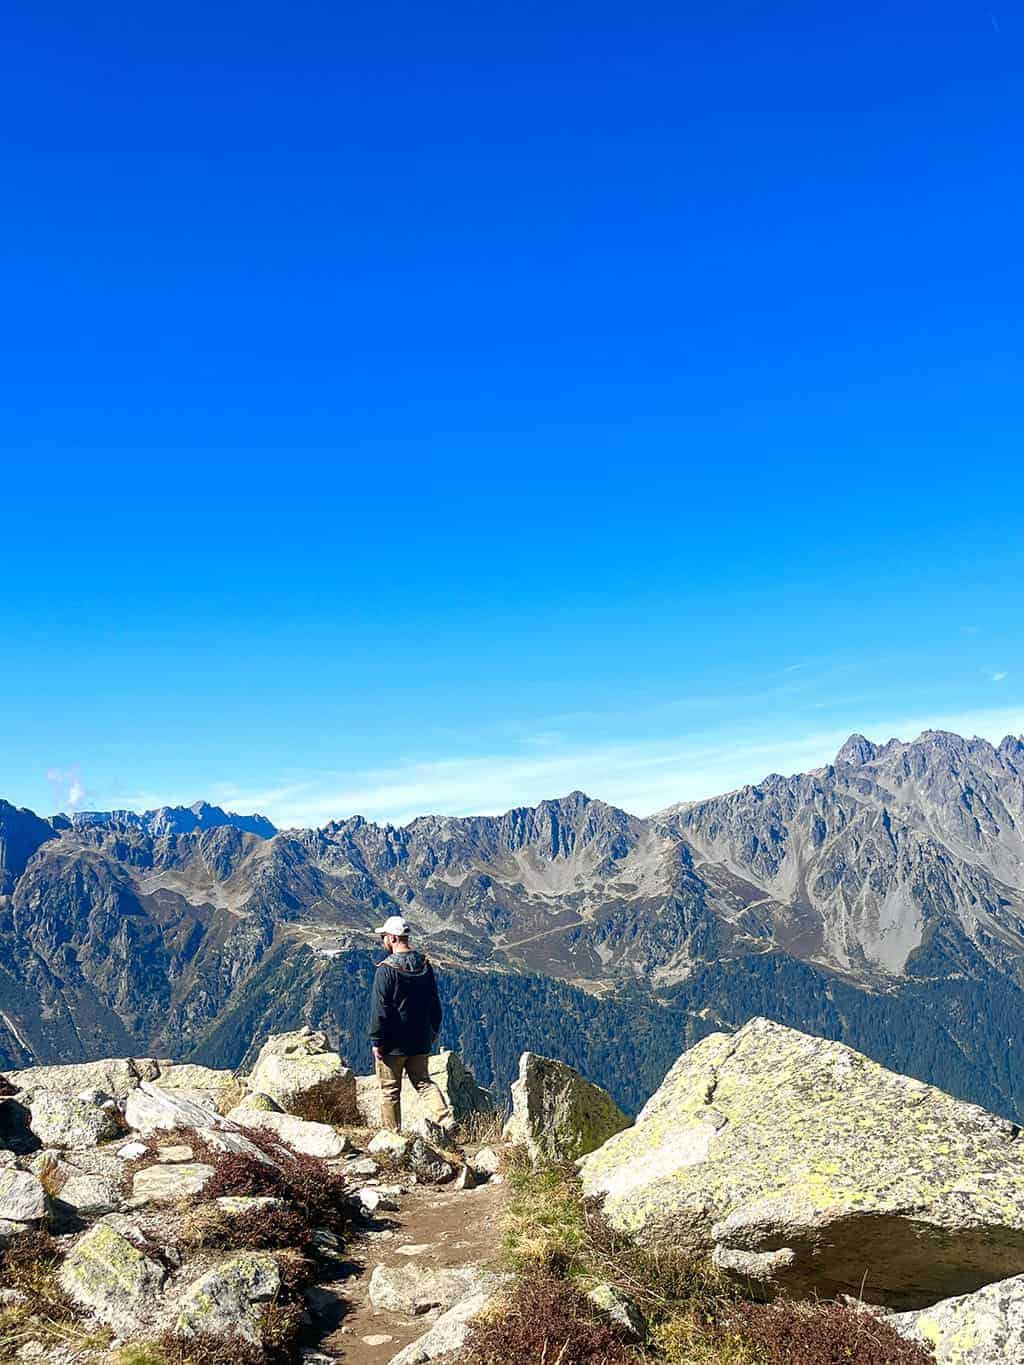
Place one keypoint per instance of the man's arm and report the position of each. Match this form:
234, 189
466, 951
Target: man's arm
378, 1009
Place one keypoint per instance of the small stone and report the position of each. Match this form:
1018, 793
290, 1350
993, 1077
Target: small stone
465, 1180
245, 1203
416, 1248
131, 1151
393, 1146
428, 1163
170, 1155
414, 1289
619, 1308
378, 1339
364, 1167
487, 1162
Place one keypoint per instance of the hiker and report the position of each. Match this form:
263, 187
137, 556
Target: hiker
405, 1019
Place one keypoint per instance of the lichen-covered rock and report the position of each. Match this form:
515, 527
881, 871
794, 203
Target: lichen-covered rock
85, 1184
185, 1076
107, 1273
414, 1289
292, 1064
159, 1184
557, 1115
61, 1120
448, 1335
800, 1163
620, 1308
312, 1139
253, 1099
114, 1076
983, 1328
228, 1299
485, 1163
151, 1110
22, 1197
449, 1073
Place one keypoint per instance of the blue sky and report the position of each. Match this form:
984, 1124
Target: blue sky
424, 407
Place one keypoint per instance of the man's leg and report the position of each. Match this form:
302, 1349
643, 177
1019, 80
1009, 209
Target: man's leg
389, 1075
430, 1096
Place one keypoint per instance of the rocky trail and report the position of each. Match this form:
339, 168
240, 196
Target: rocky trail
435, 1229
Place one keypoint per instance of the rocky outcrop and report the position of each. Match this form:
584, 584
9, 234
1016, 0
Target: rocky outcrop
113, 1076
983, 1328
290, 1065
557, 1115
452, 1077
149, 1110
801, 1164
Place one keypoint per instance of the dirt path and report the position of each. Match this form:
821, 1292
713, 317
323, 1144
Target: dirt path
436, 1227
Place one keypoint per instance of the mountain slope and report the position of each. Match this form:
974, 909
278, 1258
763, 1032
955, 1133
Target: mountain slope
879, 900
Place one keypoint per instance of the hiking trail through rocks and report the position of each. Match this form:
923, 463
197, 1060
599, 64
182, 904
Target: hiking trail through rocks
435, 1228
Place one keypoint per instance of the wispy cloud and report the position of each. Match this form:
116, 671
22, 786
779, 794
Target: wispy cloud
998, 677
68, 789
639, 777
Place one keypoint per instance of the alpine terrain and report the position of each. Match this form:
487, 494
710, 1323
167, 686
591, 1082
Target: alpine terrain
878, 901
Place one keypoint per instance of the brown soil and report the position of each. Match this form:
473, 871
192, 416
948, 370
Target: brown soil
454, 1228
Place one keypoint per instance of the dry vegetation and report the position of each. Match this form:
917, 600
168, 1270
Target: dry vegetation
560, 1248
328, 1102
28, 1265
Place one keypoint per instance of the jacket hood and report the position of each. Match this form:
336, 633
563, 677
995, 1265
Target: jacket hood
412, 963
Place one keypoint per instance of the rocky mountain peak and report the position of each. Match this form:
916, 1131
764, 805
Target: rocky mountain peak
857, 750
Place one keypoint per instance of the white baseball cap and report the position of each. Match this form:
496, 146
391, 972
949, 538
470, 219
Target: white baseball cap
395, 925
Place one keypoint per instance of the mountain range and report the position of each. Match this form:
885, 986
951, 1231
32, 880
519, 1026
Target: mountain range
878, 900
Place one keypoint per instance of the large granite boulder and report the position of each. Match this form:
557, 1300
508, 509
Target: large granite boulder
558, 1115
802, 1165
81, 1184
203, 1084
312, 1139
228, 1300
290, 1065
62, 1120
114, 1076
108, 1272
983, 1328
451, 1076
150, 1109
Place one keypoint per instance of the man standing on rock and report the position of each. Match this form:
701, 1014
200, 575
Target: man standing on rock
405, 1020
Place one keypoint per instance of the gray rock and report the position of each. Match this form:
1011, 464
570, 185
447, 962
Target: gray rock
312, 1139
449, 1333
22, 1197
9, 1229
228, 1299
393, 1147
557, 1115
485, 1163
414, 1289
60, 1120
427, 1163
113, 1076
169, 1156
87, 1183
290, 1065
465, 1180
160, 1184
151, 1110
983, 1328
131, 1151
803, 1165
364, 1167
620, 1308
108, 1273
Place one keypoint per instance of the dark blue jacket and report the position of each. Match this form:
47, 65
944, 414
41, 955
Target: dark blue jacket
405, 1014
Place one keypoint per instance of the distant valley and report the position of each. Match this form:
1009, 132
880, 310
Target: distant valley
878, 900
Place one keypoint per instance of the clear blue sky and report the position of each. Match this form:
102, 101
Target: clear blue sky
415, 407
